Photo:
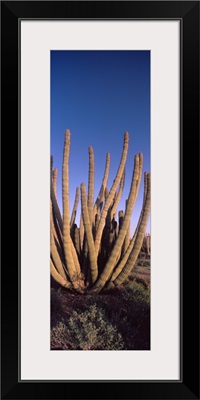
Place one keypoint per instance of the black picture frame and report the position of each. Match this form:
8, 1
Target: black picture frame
188, 13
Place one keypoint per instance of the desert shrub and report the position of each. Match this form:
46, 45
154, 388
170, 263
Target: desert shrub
87, 330
133, 320
118, 319
142, 262
128, 310
59, 337
137, 292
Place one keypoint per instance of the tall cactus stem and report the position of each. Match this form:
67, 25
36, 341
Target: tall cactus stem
54, 251
111, 194
55, 179
118, 195
74, 211
66, 210
91, 184
139, 239
100, 198
88, 232
58, 278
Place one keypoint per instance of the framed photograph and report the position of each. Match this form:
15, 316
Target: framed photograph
105, 99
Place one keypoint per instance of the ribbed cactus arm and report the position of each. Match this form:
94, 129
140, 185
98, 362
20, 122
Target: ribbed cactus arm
57, 277
104, 180
74, 211
77, 240
123, 261
111, 194
140, 168
118, 196
139, 238
106, 171
56, 209
91, 184
148, 244
54, 252
126, 240
55, 179
75, 258
145, 186
88, 232
66, 209
111, 263
143, 204
101, 195
126, 255
81, 232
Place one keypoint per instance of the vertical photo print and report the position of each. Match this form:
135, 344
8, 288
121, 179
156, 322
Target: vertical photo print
100, 198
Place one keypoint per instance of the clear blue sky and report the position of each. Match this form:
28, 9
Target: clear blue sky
99, 95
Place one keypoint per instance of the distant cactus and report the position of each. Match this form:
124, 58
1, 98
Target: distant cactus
146, 246
100, 253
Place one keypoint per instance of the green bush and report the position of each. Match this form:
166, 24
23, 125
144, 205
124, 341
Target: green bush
118, 319
137, 292
88, 330
129, 311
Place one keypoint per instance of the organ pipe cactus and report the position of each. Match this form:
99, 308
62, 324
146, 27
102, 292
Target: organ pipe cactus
100, 253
